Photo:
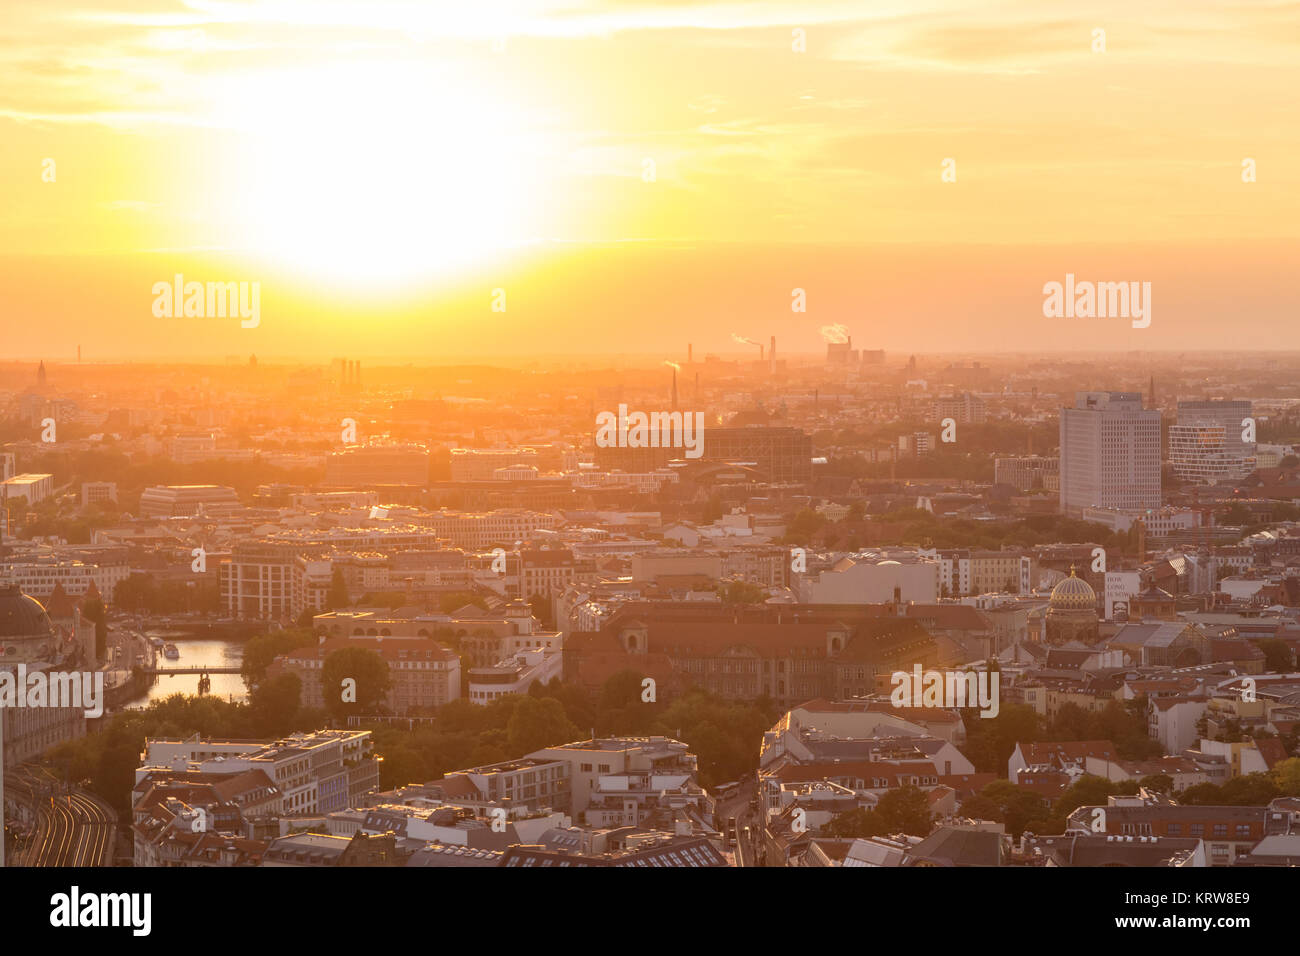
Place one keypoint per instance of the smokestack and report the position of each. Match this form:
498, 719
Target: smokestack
771, 356
760, 354
674, 389
697, 389
690, 353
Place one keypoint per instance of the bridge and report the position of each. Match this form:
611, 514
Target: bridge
163, 671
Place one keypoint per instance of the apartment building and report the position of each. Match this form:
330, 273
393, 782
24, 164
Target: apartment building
596, 766
362, 466
513, 675
258, 579
39, 574
423, 673
1228, 832
317, 772
502, 528
546, 573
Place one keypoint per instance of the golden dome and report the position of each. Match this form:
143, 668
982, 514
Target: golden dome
1073, 594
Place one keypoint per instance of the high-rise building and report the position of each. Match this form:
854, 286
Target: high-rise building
963, 408
1110, 453
1207, 444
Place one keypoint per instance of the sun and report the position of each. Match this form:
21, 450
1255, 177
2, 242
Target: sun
371, 174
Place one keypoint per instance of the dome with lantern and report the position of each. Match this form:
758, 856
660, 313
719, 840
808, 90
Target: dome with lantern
1074, 594
1072, 613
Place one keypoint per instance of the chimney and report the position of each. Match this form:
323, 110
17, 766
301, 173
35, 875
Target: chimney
674, 389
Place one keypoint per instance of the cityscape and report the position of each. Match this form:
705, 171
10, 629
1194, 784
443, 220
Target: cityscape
327, 638
745, 435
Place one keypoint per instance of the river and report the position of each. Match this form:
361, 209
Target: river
196, 653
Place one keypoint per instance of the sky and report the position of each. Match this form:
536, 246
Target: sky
626, 177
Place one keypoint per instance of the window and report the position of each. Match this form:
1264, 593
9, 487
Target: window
1174, 829
1220, 829
1243, 830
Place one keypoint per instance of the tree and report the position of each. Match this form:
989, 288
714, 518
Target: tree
338, 593
458, 599
1286, 776
275, 704
1159, 782
1017, 808
1089, 791
93, 610
1278, 658
367, 669
906, 809
805, 523
538, 723
855, 824
741, 592
1250, 790
261, 650
620, 690
1203, 794
541, 606
991, 741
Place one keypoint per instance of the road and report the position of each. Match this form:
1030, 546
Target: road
739, 808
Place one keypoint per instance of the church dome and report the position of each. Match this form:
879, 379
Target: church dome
1073, 594
21, 615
